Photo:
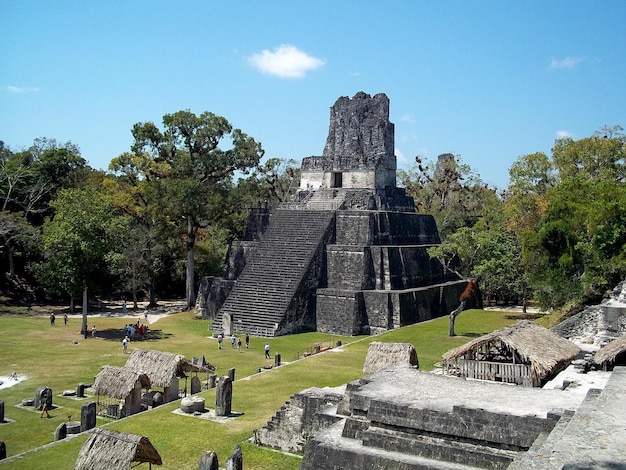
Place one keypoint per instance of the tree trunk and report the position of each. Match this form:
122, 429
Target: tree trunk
71, 303
85, 326
453, 314
152, 294
190, 282
7, 245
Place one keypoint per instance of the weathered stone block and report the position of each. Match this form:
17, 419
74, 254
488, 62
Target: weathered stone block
208, 461
235, 461
87, 416
223, 396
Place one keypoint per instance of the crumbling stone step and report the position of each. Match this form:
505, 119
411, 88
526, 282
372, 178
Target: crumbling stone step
440, 448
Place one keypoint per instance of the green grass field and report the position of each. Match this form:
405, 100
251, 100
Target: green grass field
60, 358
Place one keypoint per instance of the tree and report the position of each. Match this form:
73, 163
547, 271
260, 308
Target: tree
191, 170
78, 240
450, 191
576, 250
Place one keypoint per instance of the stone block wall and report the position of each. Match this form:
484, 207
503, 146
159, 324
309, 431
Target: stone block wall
302, 415
340, 312
386, 228
349, 267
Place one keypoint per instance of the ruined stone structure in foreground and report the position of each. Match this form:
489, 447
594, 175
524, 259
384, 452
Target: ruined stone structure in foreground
347, 256
404, 419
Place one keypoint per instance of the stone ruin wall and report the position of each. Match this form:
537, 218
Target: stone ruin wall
360, 146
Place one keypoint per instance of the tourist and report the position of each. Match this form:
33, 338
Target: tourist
124, 310
267, 351
220, 338
232, 341
93, 331
52, 318
247, 340
239, 345
125, 343
43, 396
65, 318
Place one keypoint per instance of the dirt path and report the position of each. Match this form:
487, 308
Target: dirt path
116, 310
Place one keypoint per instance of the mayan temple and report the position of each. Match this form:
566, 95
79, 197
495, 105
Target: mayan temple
347, 255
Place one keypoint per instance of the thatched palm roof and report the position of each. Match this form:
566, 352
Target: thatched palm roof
118, 382
160, 366
609, 352
384, 355
546, 351
112, 450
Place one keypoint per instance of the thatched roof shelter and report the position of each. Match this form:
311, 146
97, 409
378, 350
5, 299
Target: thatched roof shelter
527, 343
118, 382
113, 450
609, 354
384, 355
160, 366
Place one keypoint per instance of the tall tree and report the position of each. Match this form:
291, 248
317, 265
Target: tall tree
78, 240
576, 251
449, 190
192, 171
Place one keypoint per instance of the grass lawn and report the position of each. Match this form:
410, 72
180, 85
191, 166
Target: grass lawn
58, 357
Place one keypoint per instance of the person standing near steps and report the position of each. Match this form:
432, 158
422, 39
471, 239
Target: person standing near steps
267, 351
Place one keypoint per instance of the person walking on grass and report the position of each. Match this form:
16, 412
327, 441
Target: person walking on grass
239, 345
220, 338
43, 396
267, 351
247, 340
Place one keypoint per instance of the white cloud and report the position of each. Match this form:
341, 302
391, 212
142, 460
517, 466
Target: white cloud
563, 134
285, 62
567, 63
20, 90
407, 118
401, 159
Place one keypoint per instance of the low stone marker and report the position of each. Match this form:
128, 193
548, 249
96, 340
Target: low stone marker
196, 385
1, 411
61, 432
208, 461
80, 390
276, 360
72, 427
158, 399
231, 374
212, 380
223, 396
235, 461
88, 416
3, 450
192, 404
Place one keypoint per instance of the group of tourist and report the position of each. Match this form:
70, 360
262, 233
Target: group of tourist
234, 341
136, 331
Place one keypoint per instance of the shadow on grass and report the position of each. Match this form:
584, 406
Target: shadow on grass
117, 334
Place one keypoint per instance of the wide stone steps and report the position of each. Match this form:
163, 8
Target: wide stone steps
440, 448
267, 285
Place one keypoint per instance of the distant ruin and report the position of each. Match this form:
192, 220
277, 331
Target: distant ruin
348, 255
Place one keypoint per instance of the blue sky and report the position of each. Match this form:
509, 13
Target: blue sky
487, 80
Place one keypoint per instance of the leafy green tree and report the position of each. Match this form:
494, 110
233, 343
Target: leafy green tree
450, 191
78, 240
191, 171
576, 250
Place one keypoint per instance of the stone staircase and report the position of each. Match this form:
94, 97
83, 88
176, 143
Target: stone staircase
266, 292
